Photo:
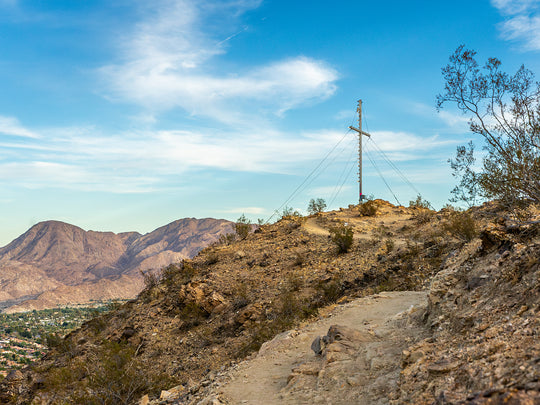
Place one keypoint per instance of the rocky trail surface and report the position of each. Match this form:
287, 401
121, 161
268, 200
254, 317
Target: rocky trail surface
360, 362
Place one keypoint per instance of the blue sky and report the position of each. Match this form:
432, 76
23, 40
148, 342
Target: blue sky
126, 115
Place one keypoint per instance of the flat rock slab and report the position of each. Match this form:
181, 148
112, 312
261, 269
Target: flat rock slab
286, 370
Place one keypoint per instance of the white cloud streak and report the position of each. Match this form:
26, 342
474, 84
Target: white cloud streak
245, 210
513, 7
147, 161
522, 22
170, 60
12, 127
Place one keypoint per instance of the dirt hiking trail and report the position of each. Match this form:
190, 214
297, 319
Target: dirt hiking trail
365, 228
362, 366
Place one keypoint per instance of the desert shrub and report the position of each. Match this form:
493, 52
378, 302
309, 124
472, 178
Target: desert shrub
168, 273
112, 375
226, 239
240, 295
178, 273
329, 291
389, 244
59, 343
316, 206
290, 212
342, 236
150, 279
461, 225
424, 213
288, 309
188, 270
290, 306
382, 231
420, 203
212, 257
97, 324
368, 209
192, 314
424, 216
294, 282
242, 227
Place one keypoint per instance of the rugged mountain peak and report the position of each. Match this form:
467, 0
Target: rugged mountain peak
65, 252
66, 258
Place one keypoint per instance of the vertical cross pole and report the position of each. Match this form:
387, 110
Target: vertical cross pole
359, 110
360, 133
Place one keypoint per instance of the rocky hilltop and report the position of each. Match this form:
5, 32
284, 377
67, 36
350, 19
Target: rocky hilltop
55, 263
424, 308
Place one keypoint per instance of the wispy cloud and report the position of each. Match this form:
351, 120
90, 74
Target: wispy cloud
512, 7
453, 119
245, 210
169, 60
405, 143
147, 160
522, 22
11, 126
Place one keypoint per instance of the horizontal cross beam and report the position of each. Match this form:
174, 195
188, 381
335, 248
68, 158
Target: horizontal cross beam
360, 131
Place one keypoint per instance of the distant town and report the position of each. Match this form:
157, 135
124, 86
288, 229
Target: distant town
25, 337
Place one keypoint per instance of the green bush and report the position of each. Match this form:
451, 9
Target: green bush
329, 291
150, 279
368, 209
113, 375
242, 227
420, 203
290, 212
342, 236
424, 216
192, 314
226, 239
461, 225
212, 257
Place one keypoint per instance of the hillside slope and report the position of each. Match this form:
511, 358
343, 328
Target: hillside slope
183, 333
227, 301
55, 263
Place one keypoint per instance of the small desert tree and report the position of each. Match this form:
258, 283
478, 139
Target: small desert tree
505, 111
316, 206
467, 189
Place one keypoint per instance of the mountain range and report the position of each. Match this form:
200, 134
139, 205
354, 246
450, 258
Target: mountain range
55, 263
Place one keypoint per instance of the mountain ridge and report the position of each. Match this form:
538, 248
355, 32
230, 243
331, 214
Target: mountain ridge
57, 263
